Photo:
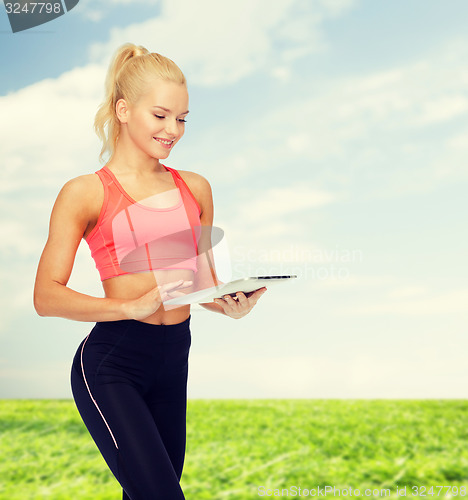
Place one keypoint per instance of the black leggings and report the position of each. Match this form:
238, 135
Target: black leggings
129, 382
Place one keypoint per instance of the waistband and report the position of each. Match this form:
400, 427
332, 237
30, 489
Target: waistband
141, 327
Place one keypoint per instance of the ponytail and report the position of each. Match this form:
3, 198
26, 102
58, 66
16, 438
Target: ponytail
130, 73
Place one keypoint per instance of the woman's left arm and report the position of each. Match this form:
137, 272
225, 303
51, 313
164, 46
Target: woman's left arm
206, 274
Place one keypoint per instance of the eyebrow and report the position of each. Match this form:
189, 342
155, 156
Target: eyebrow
168, 110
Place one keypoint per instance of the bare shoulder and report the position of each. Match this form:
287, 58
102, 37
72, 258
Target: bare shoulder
200, 187
81, 197
86, 185
195, 179
84, 191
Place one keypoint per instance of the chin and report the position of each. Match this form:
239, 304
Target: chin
159, 155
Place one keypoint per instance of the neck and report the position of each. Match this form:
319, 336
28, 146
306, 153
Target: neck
135, 161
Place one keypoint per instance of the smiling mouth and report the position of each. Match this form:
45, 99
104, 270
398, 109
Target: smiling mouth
163, 141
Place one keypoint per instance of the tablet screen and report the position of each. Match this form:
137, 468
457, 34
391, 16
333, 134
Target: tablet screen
246, 285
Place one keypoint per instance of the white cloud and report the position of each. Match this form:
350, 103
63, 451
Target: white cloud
94, 15
281, 73
60, 112
406, 292
277, 202
60, 115
355, 375
336, 7
48, 137
217, 375
442, 109
96, 10
385, 129
229, 40
298, 143
451, 302
358, 282
369, 134
266, 224
458, 142
36, 380
20, 240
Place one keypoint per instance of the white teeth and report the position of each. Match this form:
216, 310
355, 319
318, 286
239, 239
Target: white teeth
164, 142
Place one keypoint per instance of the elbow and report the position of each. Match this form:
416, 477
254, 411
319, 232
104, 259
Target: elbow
40, 303
45, 299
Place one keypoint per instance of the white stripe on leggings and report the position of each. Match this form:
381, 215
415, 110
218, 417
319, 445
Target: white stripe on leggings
91, 396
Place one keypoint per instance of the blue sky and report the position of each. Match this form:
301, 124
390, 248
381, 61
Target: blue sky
334, 134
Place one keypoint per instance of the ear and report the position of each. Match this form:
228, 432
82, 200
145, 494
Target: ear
121, 110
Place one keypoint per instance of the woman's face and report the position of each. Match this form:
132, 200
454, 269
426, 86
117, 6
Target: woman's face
158, 116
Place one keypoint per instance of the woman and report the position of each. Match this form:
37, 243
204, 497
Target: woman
142, 222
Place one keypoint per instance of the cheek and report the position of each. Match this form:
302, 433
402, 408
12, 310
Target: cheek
141, 125
153, 124
148, 123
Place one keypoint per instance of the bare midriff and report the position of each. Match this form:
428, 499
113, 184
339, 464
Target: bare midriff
134, 285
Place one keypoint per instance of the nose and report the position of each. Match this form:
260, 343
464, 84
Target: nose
172, 128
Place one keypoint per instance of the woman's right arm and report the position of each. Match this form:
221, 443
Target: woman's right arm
71, 214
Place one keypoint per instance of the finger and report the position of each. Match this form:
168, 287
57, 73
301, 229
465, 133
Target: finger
221, 299
175, 294
241, 298
175, 284
252, 294
220, 302
253, 298
186, 283
230, 301
172, 284
258, 293
163, 292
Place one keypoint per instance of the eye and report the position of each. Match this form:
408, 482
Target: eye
161, 117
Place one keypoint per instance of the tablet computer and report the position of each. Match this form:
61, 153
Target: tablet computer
245, 285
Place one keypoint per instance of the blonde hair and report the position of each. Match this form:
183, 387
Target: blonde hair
131, 72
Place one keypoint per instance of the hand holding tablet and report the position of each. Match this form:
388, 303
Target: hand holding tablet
245, 285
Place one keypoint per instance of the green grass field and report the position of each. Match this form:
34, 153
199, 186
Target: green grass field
235, 447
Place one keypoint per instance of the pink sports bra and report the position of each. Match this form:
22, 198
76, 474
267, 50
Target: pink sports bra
130, 237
